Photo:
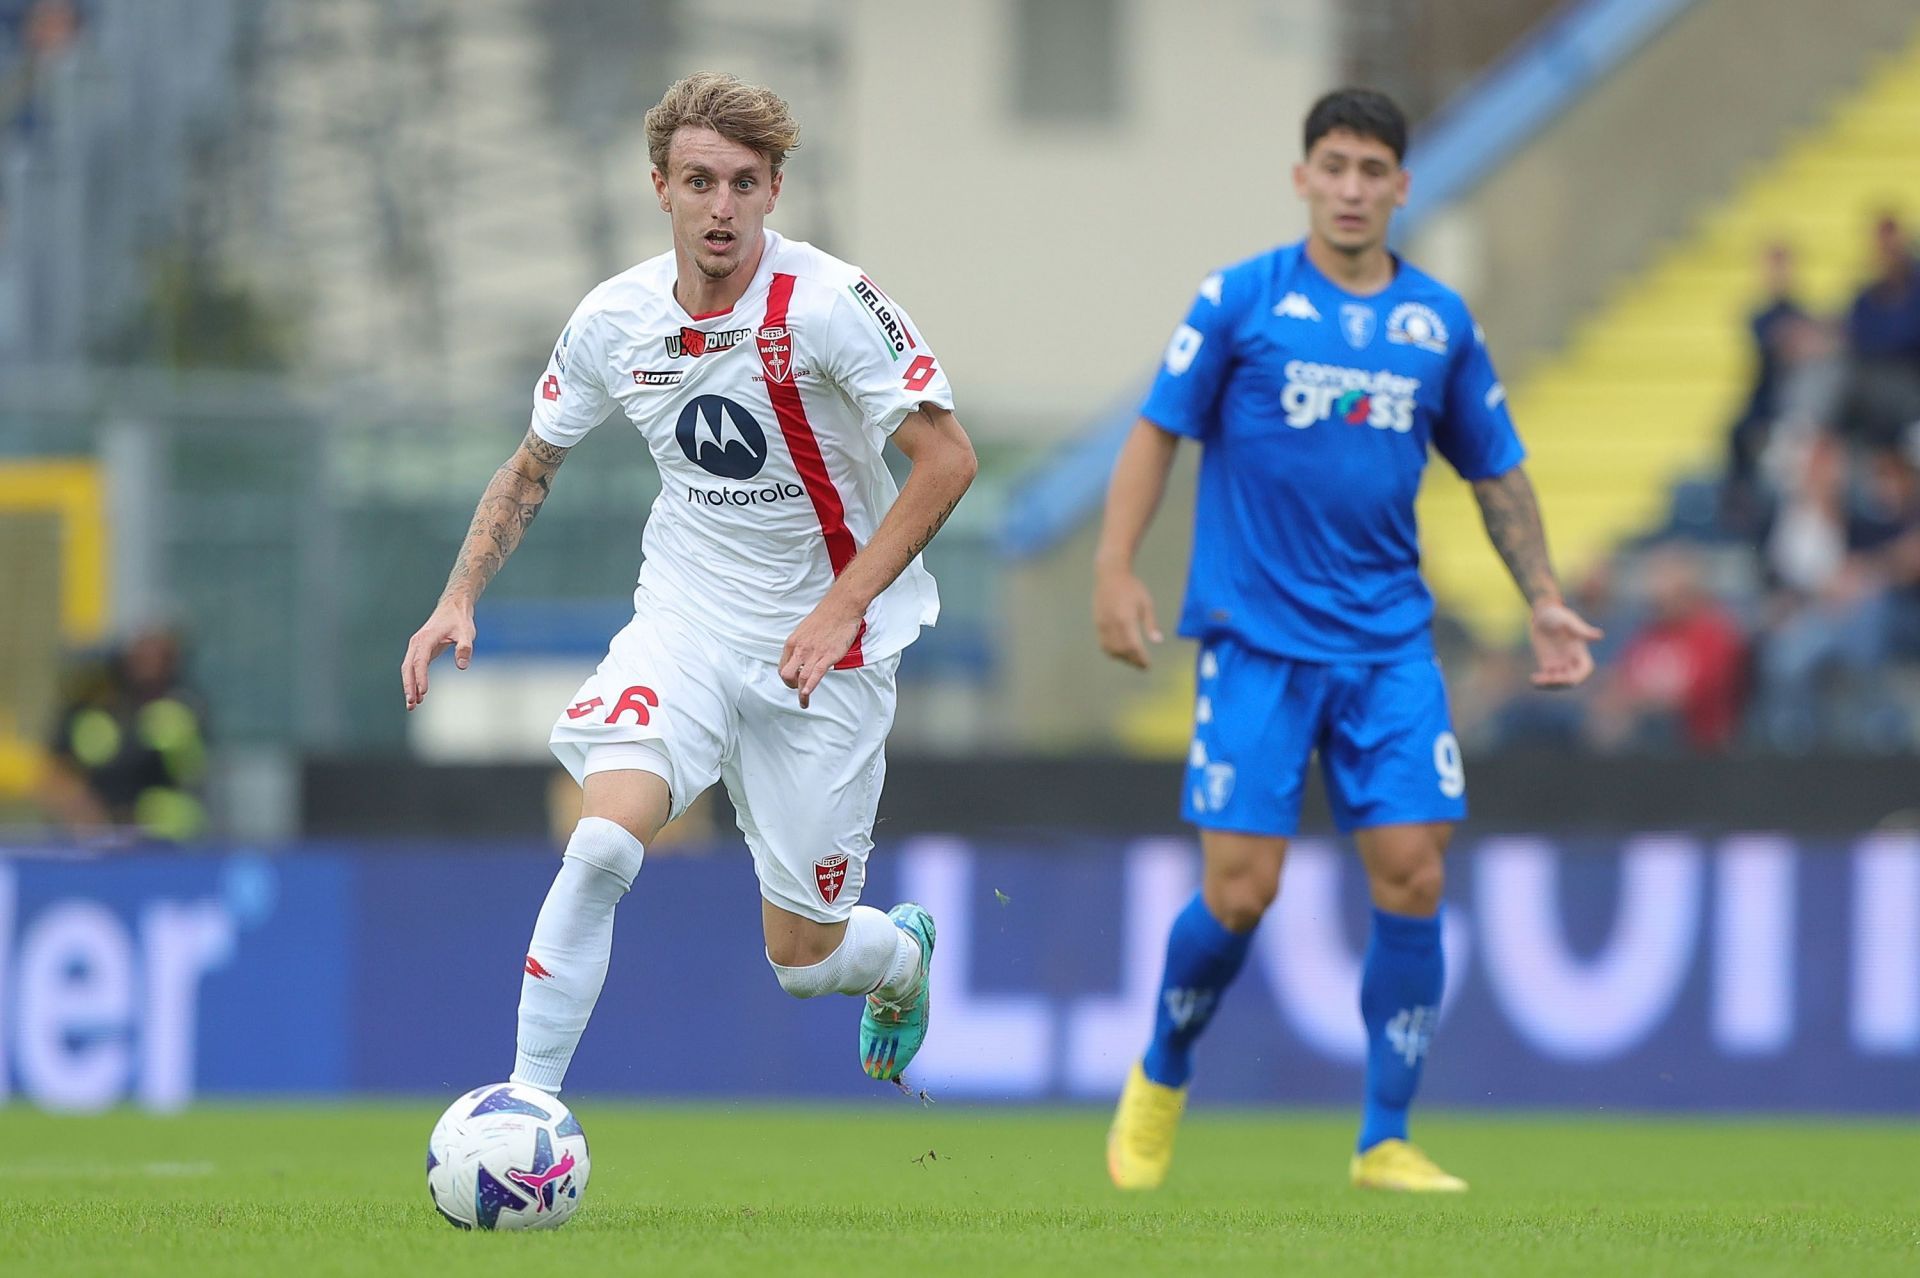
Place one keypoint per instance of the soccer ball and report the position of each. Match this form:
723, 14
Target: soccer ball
507, 1156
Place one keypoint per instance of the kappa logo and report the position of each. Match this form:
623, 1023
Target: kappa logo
776, 352
830, 876
721, 437
1296, 306
694, 342
1414, 324
1356, 323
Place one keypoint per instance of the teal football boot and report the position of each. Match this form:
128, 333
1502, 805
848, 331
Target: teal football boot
892, 1032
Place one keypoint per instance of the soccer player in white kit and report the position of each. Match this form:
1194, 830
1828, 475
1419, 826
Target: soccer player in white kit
781, 577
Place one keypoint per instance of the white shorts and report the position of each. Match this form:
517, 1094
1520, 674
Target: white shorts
671, 699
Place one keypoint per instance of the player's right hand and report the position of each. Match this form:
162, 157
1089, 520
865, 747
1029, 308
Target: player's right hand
1123, 616
450, 626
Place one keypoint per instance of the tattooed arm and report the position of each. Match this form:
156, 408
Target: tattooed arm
1512, 517
943, 467
513, 497
1559, 635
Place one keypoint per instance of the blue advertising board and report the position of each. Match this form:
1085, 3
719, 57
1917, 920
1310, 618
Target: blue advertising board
1745, 972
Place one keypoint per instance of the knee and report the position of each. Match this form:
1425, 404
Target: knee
805, 981
809, 964
609, 846
1411, 887
803, 944
1239, 898
806, 961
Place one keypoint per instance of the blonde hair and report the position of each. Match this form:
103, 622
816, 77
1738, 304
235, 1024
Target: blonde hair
749, 114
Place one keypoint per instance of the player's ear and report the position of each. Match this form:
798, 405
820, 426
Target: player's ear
1300, 179
660, 190
773, 191
1401, 183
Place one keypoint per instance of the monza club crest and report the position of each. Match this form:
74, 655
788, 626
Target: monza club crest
776, 356
830, 875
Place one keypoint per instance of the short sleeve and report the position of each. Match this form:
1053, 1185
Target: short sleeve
571, 397
1198, 358
1475, 431
880, 359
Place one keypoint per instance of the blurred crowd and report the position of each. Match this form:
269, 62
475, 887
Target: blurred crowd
31, 32
1779, 608
127, 755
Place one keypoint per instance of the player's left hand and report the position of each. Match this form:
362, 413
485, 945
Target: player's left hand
1560, 637
816, 645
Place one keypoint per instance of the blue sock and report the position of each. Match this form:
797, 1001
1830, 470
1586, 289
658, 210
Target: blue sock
1203, 957
1400, 1003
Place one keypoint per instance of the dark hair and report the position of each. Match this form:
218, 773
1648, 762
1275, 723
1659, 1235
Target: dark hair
1363, 111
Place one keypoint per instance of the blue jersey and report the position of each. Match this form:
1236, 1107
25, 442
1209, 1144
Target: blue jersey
1314, 408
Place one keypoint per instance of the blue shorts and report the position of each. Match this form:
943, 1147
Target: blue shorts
1385, 739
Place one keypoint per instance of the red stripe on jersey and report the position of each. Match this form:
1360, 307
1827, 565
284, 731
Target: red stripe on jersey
791, 411
897, 318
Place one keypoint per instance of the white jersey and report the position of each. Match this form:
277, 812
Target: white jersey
767, 422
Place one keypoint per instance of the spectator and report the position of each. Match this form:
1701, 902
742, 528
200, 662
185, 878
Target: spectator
129, 751
1883, 340
1826, 641
1681, 677
1812, 380
1891, 540
1742, 507
31, 36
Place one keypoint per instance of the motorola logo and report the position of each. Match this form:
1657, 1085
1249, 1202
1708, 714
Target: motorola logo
721, 438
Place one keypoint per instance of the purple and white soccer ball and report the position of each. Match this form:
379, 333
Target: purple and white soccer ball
507, 1156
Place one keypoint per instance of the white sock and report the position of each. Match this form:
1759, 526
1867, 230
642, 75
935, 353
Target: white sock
874, 957
572, 941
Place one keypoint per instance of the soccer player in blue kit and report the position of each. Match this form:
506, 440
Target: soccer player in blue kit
1315, 376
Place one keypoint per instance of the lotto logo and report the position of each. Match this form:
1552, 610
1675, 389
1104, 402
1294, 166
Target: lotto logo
919, 373
550, 388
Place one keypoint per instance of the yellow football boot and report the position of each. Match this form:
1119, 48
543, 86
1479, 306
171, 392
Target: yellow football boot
1140, 1142
1395, 1164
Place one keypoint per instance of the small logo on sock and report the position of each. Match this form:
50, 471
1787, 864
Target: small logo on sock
1410, 1031
830, 876
534, 969
1189, 1007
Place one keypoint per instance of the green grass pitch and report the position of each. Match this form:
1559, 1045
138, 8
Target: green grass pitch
894, 1189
